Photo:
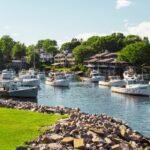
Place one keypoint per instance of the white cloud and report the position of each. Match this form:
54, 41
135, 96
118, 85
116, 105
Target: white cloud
85, 36
142, 29
122, 3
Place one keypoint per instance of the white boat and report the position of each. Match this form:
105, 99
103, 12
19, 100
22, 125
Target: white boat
94, 77
70, 76
104, 83
29, 80
58, 80
41, 75
116, 81
133, 89
130, 75
113, 81
8, 74
15, 89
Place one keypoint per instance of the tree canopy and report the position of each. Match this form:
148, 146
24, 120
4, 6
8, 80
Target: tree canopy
47, 45
18, 50
69, 46
137, 53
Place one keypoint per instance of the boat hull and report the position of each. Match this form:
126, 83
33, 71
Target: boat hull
24, 93
104, 83
118, 83
97, 79
139, 91
59, 83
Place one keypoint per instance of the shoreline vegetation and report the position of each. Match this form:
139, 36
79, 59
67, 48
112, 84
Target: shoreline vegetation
131, 49
80, 130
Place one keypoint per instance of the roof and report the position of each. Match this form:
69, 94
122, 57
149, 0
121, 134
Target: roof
69, 55
108, 60
92, 60
101, 54
59, 55
111, 54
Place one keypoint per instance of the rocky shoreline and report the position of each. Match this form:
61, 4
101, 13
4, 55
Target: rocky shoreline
82, 131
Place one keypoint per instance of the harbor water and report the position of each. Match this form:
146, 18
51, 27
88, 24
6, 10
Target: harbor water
91, 98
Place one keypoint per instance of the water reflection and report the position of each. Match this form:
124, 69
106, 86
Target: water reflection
92, 98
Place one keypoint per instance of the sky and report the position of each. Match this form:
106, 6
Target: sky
28, 21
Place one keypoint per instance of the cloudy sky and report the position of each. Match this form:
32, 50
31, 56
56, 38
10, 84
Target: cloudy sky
62, 20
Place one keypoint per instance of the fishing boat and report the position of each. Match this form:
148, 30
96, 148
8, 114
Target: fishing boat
8, 74
70, 76
15, 89
139, 89
57, 80
41, 75
113, 81
94, 77
29, 80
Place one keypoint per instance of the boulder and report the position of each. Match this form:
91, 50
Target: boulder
78, 143
54, 146
67, 140
56, 137
97, 131
115, 147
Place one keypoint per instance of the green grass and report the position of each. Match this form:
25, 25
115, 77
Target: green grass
63, 69
18, 126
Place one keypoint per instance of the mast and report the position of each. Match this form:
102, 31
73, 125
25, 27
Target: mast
34, 59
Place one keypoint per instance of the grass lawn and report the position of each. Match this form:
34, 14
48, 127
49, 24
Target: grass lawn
18, 126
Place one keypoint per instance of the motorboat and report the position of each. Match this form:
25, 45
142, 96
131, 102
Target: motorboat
113, 81
70, 76
139, 88
116, 81
57, 80
8, 74
94, 77
130, 75
29, 80
15, 89
41, 75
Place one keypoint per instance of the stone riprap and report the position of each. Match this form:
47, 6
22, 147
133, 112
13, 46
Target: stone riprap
82, 131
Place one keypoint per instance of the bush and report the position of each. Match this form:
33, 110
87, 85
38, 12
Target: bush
79, 67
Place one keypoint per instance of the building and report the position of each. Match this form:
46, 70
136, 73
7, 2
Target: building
106, 63
64, 60
19, 64
70, 59
46, 57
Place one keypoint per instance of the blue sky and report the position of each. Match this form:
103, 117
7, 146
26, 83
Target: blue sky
31, 20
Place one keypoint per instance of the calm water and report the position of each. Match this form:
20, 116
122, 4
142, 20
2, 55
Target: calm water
92, 98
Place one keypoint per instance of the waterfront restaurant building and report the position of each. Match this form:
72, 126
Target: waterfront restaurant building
106, 63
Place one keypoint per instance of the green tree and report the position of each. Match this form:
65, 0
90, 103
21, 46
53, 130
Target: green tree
70, 45
52, 49
6, 46
130, 39
18, 51
33, 56
137, 53
45, 44
82, 52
